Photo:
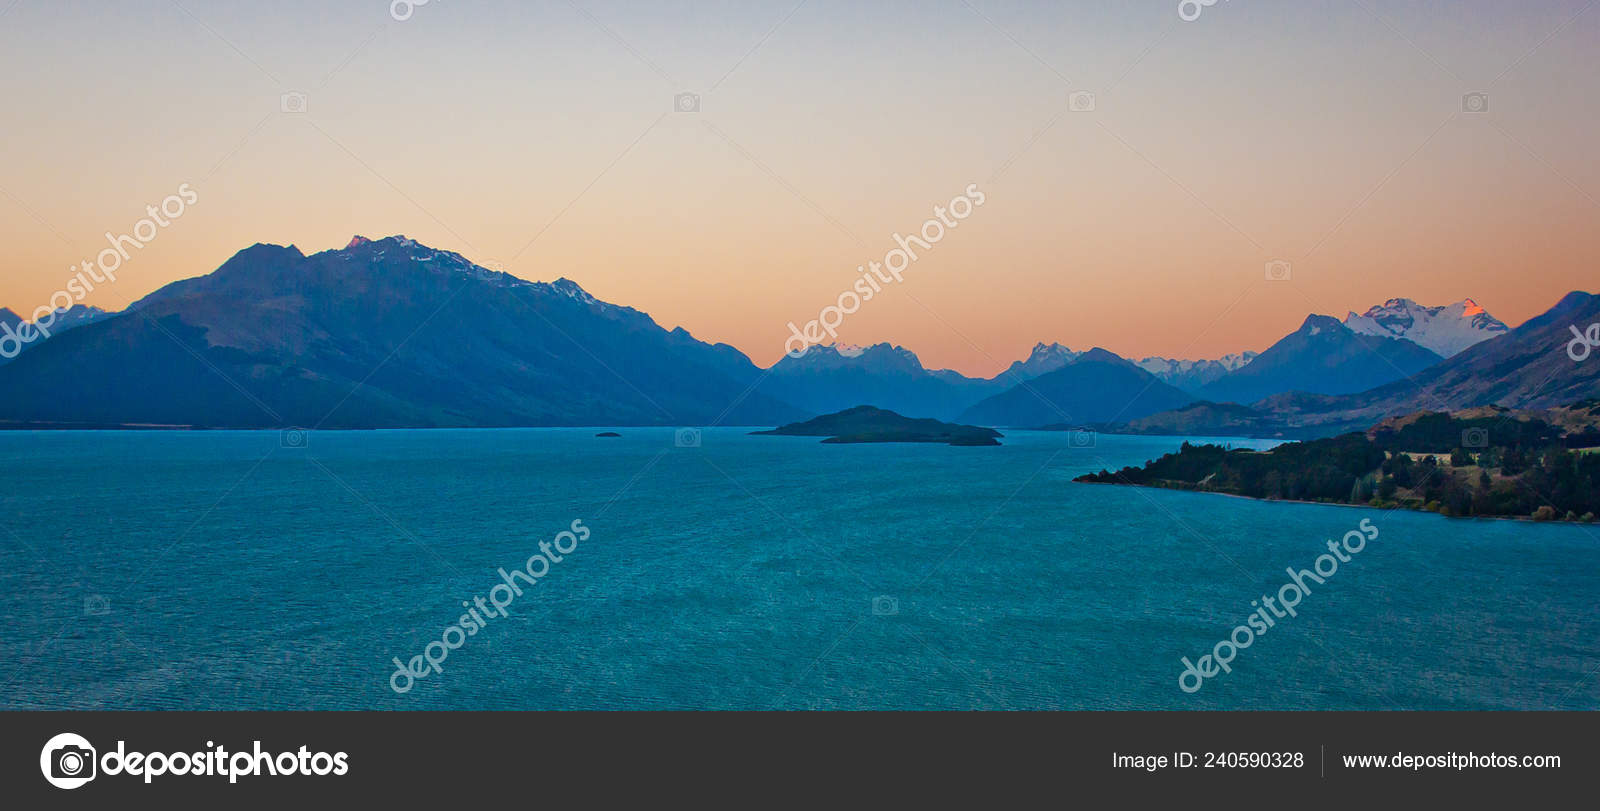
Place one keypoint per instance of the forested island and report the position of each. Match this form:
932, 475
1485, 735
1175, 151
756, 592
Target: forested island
1489, 462
869, 424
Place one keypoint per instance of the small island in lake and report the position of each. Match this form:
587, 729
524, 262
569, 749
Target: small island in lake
608, 434
869, 424
1489, 462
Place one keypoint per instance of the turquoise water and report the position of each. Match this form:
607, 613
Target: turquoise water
225, 571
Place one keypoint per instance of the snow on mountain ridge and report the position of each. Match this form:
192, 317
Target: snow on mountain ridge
1044, 359
1192, 374
1447, 329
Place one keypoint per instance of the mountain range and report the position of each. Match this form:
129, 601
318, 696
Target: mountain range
831, 378
1446, 331
1323, 356
1095, 387
77, 315
392, 333
1194, 375
1525, 368
384, 333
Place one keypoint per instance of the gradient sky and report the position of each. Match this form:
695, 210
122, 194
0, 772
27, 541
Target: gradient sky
540, 135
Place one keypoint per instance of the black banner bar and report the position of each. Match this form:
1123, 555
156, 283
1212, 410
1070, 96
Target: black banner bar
993, 759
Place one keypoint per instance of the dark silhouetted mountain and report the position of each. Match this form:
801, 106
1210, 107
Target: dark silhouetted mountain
1322, 357
830, 378
1526, 368
384, 333
77, 315
1096, 387
867, 424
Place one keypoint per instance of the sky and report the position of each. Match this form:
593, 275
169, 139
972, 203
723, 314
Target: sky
544, 138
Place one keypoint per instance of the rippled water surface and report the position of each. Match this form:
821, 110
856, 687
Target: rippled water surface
222, 570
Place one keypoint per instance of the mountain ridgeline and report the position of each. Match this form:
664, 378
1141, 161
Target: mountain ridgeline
390, 333
381, 334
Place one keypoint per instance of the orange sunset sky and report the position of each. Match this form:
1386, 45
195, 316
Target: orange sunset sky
542, 136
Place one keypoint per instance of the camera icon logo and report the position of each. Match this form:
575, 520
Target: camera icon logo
1279, 271
1080, 438
686, 102
1475, 102
292, 102
96, 605
1081, 102
687, 438
885, 606
67, 761
1475, 438
296, 438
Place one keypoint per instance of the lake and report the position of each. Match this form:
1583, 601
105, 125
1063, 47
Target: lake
224, 570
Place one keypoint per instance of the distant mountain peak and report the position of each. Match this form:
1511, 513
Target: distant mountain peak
1316, 324
879, 355
1446, 330
1042, 360
1099, 355
1191, 375
573, 290
1323, 357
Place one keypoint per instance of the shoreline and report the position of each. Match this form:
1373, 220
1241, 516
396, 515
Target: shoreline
1399, 507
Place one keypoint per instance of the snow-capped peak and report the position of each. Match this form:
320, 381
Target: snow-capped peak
1044, 359
1447, 329
572, 290
1227, 363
